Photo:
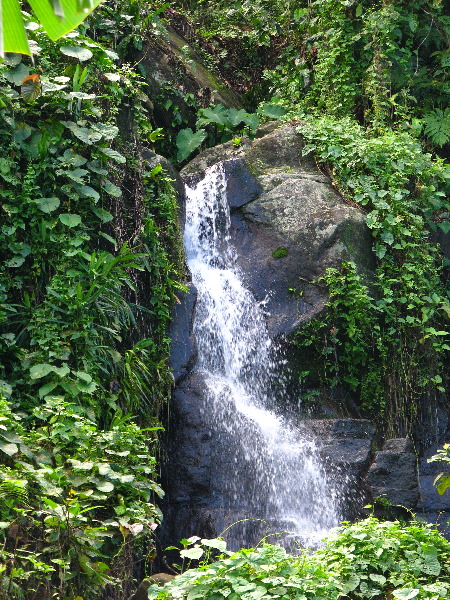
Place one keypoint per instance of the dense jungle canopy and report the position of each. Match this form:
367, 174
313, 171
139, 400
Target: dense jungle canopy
92, 261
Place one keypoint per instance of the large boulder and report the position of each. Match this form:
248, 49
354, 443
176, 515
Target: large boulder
393, 474
289, 224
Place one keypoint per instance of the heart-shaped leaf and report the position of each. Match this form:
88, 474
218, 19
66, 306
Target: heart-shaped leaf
70, 219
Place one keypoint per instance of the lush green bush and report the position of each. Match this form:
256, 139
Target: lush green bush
89, 248
389, 344
369, 559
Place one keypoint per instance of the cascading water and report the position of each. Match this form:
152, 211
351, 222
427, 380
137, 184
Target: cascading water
284, 482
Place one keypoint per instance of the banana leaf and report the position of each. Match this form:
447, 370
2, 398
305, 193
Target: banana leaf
57, 17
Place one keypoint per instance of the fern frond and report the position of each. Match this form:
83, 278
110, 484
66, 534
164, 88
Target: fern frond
14, 489
437, 126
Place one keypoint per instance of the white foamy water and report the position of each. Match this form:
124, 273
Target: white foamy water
283, 481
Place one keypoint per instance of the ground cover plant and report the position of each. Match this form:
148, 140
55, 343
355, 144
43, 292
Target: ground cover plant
369, 559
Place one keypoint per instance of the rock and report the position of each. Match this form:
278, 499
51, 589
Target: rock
183, 350
342, 428
345, 446
288, 224
154, 159
394, 474
174, 71
161, 578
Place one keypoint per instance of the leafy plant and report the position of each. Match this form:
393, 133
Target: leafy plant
219, 124
56, 19
442, 481
437, 126
370, 559
87, 219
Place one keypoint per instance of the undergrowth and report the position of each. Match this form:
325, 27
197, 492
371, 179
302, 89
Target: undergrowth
89, 248
369, 559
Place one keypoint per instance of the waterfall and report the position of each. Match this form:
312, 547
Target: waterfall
283, 481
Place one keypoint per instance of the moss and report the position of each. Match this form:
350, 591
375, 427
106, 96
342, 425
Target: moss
280, 252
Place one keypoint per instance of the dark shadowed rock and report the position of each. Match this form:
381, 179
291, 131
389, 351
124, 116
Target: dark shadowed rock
174, 71
183, 350
394, 474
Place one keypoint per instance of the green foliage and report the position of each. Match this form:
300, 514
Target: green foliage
437, 126
280, 252
442, 481
370, 559
218, 124
390, 347
187, 141
89, 248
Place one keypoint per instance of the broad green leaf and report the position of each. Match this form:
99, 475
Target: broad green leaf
41, 370
70, 219
55, 22
119, 158
50, 503
187, 141
273, 111
88, 136
83, 376
5, 524
12, 59
12, 32
406, 593
126, 478
111, 189
9, 449
235, 117
112, 76
48, 205
74, 13
218, 114
109, 132
252, 121
104, 215
96, 167
61, 371
15, 262
22, 132
105, 486
80, 465
444, 226
46, 389
192, 553
18, 74
77, 174
72, 159
89, 192
82, 96
31, 88
215, 543
387, 237
12, 437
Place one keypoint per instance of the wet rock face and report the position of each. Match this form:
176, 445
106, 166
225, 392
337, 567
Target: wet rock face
394, 475
346, 449
289, 224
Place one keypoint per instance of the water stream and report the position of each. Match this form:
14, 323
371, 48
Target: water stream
283, 481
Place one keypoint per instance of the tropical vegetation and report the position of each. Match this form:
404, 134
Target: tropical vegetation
91, 264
